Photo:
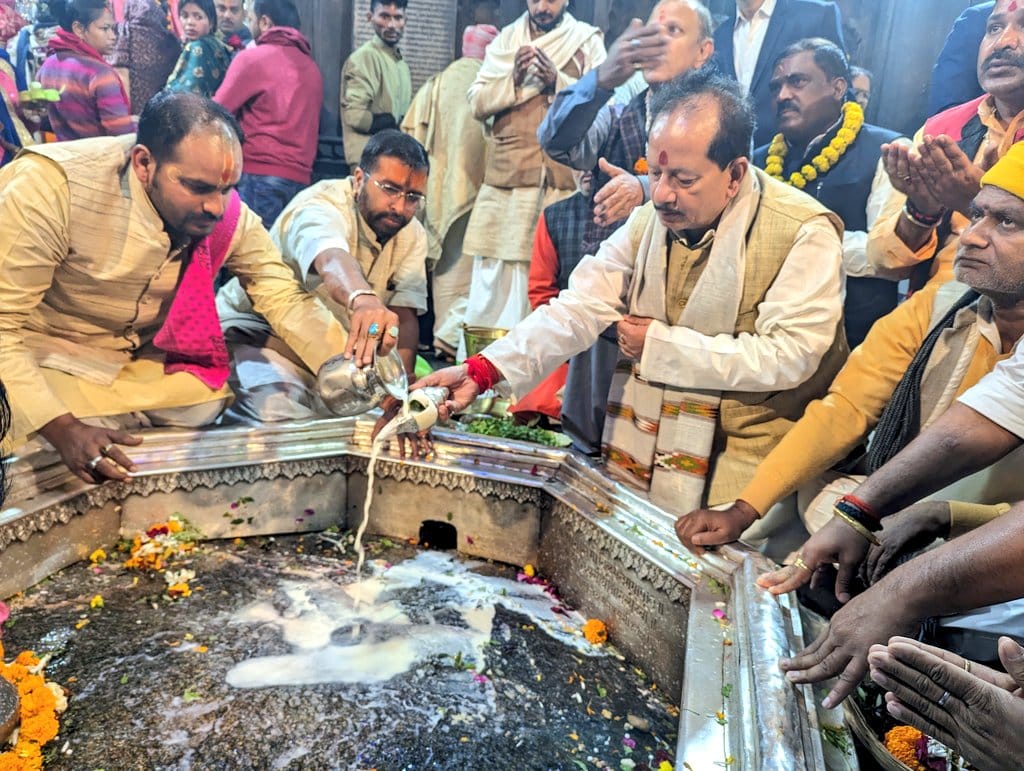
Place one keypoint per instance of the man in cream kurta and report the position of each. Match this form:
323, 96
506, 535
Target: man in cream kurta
93, 238
336, 219
441, 120
541, 52
727, 293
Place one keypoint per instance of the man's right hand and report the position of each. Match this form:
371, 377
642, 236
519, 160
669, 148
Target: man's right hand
79, 444
461, 389
368, 310
639, 47
904, 166
836, 542
710, 527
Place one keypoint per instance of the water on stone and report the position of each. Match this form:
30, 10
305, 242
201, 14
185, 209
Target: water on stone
455, 666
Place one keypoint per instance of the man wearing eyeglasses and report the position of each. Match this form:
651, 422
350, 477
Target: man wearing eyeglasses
357, 245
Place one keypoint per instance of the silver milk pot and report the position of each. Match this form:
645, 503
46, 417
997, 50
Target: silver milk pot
347, 390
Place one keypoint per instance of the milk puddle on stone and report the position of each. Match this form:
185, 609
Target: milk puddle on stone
455, 666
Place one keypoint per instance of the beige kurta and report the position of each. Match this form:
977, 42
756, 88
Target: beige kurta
86, 273
374, 80
326, 216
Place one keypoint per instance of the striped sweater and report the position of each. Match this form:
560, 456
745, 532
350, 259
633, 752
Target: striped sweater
92, 102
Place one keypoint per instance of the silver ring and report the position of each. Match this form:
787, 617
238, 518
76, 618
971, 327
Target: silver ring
393, 331
96, 461
907, 178
943, 699
634, 43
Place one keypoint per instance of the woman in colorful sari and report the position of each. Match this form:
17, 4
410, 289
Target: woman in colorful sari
147, 48
14, 133
93, 102
203, 63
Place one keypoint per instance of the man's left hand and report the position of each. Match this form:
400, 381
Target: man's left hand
951, 176
842, 649
619, 196
632, 335
363, 336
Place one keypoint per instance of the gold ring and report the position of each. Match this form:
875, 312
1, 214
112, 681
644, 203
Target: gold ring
799, 563
106, 448
967, 666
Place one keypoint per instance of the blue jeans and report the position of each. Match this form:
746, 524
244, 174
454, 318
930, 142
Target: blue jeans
267, 196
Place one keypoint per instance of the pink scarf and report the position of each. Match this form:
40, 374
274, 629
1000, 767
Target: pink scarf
191, 335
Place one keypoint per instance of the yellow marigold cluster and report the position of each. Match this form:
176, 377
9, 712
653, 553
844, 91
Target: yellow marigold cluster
595, 631
853, 119
901, 742
38, 708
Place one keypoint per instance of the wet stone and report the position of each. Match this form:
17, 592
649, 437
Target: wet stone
430, 661
8, 709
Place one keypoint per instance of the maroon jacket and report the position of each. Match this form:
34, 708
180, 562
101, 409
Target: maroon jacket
276, 90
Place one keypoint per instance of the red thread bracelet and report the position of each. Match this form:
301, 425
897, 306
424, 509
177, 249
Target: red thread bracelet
860, 504
482, 372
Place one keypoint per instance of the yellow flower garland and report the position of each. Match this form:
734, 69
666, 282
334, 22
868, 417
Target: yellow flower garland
853, 119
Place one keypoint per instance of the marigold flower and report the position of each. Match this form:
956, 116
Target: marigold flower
810, 173
529, 570
901, 742
179, 590
640, 167
96, 602
595, 631
97, 556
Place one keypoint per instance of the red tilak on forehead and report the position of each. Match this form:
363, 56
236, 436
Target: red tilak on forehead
663, 158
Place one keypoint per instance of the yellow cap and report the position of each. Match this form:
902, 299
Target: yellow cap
1008, 172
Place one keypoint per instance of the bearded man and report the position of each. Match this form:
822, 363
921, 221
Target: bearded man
533, 58
357, 245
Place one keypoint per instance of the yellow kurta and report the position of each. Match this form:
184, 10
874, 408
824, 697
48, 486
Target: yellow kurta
887, 251
87, 274
834, 425
374, 80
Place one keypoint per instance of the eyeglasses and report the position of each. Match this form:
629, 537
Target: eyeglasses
392, 192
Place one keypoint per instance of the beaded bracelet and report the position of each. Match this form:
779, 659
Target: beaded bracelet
920, 218
872, 538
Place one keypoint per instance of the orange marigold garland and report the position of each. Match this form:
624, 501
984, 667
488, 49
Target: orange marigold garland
39, 704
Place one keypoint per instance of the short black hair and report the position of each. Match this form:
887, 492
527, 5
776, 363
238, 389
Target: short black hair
85, 12
170, 116
394, 144
829, 57
400, 4
861, 71
693, 91
282, 13
206, 6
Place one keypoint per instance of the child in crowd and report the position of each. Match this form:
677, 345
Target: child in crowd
205, 58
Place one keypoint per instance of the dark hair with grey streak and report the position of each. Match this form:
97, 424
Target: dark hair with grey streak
693, 92
170, 116
829, 57
394, 144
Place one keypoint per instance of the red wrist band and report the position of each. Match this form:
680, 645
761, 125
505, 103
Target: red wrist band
482, 372
860, 504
